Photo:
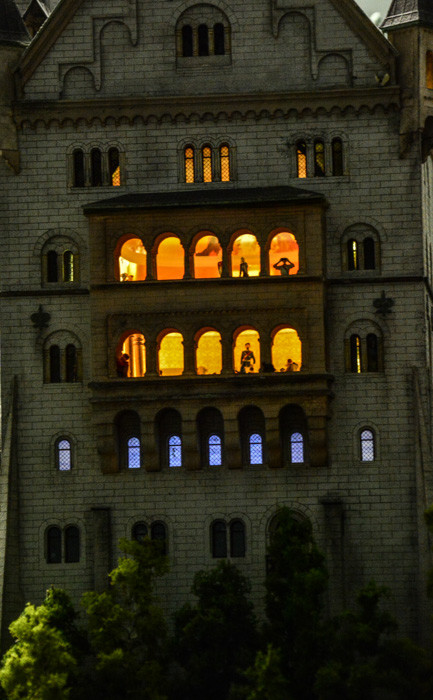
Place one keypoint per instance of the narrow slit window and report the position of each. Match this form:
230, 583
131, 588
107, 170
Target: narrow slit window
355, 354
187, 40
225, 163
72, 544
297, 448
64, 455
207, 163
139, 532
352, 254
189, 164
114, 166
52, 270
95, 167
71, 363
68, 266
219, 539
256, 449
237, 538
367, 446
301, 159
215, 456
369, 254
319, 159
372, 353
134, 461
78, 166
337, 157
218, 39
203, 40
174, 451
158, 533
55, 373
54, 545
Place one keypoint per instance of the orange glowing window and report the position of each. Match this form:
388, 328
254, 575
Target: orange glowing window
207, 163
209, 353
283, 255
207, 257
429, 70
132, 261
245, 256
301, 159
170, 259
131, 359
355, 354
246, 352
189, 164
319, 158
170, 354
286, 351
114, 166
225, 163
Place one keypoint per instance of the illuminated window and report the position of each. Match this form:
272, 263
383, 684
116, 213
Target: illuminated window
139, 532
63, 455
429, 70
215, 456
72, 544
352, 254
78, 168
95, 167
256, 452
225, 163
209, 353
114, 167
219, 539
54, 545
252, 435
68, 266
189, 164
297, 448
174, 451
206, 154
62, 360
58, 263
134, 457
210, 430
131, 356
367, 445
319, 158
355, 354
170, 259
245, 257
283, 255
246, 353
128, 429
293, 434
203, 40
208, 257
301, 159
219, 39
286, 350
132, 261
170, 354
237, 538
337, 157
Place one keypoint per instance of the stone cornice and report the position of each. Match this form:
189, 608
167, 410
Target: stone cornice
204, 108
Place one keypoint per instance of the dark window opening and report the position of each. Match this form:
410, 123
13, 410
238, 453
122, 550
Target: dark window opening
237, 539
218, 39
114, 166
187, 41
78, 164
319, 159
55, 369
54, 545
52, 270
337, 157
372, 353
72, 544
95, 167
71, 363
203, 40
219, 539
369, 254
158, 533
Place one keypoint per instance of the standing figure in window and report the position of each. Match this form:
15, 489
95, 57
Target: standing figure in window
284, 266
247, 359
122, 365
243, 268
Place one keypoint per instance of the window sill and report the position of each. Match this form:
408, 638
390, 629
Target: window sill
199, 63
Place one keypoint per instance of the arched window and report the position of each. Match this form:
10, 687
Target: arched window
283, 254
170, 355
206, 157
367, 445
219, 539
114, 167
54, 545
256, 449
218, 39
170, 259
355, 354
158, 533
293, 434
95, 167
52, 270
225, 162
429, 70
174, 451
55, 369
237, 538
245, 257
369, 254
301, 159
131, 356
78, 168
63, 450
139, 531
189, 164
208, 256
187, 40
286, 350
352, 254
131, 257
209, 353
297, 448
71, 363
246, 352
68, 266
128, 434
203, 40
72, 544
214, 454
319, 158
337, 157
372, 353
210, 430
252, 435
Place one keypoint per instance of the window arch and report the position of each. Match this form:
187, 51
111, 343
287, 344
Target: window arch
352, 254
369, 253
202, 31
62, 358
219, 39
283, 254
286, 350
246, 351
128, 439
130, 260
59, 261
364, 349
168, 424
131, 356
139, 531
293, 434
96, 166
62, 545
63, 454
55, 366
367, 445
210, 429
206, 163
301, 159
189, 164
114, 167
71, 358
158, 533
170, 353
360, 248
52, 267
208, 357
208, 256
236, 539
245, 255
225, 166
170, 259
252, 435
203, 40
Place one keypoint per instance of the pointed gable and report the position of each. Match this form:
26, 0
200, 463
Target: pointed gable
12, 29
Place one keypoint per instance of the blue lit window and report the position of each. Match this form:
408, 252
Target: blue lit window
215, 458
296, 448
134, 461
367, 446
174, 451
256, 452
64, 455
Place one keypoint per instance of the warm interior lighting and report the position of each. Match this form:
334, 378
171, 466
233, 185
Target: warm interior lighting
115, 178
189, 164
170, 259
301, 159
283, 245
246, 247
134, 347
225, 163
286, 345
171, 354
207, 164
207, 257
132, 261
209, 353
246, 355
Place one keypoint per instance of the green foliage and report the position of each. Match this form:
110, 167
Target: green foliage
41, 662
264, 679
215, 639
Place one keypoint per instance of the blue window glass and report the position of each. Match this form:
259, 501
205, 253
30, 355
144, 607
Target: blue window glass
296, 448
134, 453
367, 446
256, 451
174, 451
215, 457
64, 461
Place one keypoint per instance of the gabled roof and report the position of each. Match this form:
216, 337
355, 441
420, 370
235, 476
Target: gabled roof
12, 28
406, 12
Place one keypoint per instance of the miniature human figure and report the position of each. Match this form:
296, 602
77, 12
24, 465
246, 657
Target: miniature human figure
122, 365
284, 266
124, 276
291, 366
243, 268
220, 267
247, 359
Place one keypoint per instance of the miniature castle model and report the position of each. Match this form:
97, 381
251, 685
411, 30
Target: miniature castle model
216, 289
